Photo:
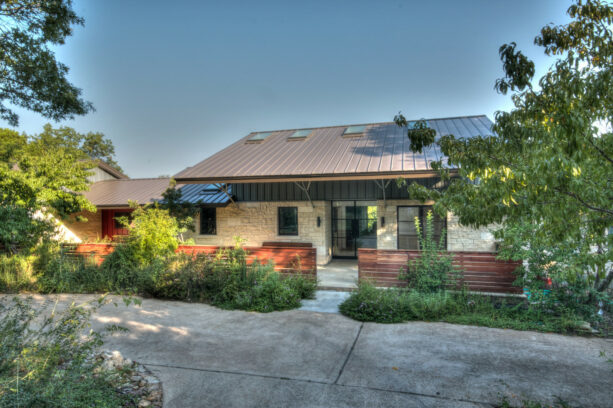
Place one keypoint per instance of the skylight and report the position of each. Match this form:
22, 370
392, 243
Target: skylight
354, 130
258, 137
300, 134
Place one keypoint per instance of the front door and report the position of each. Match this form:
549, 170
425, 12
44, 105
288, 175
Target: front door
354, 225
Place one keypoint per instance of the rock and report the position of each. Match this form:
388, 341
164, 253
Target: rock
144, 403
151, 379
136, 378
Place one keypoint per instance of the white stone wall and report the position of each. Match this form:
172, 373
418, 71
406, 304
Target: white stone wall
256, 222
459, 238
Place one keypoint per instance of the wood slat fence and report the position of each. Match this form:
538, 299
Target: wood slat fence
482, 271
285, 259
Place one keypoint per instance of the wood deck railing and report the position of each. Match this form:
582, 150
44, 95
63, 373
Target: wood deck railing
285, 259
482, 271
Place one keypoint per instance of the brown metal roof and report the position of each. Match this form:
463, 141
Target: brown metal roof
381, 152
117, 193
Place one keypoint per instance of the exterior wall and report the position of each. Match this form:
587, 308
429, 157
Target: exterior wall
85, 231
100, 175
256, 222
460, 238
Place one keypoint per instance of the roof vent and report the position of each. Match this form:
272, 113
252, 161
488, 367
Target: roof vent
210, 190
354, 131
258, 137
300, 134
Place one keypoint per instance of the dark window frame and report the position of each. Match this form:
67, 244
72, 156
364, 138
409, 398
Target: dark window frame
279, 233
206, 227
423, 210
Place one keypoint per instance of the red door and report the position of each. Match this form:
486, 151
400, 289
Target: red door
111, 226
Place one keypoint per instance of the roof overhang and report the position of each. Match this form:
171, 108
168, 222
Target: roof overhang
322, 177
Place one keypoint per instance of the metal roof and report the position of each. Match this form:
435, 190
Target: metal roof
382, 151
207, 194
117, 193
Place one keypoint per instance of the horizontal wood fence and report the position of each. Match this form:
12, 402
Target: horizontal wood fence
482, 271
284, 259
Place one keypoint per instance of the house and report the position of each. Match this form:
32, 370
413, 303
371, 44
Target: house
333, 187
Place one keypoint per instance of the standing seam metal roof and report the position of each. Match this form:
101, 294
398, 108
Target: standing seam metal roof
383, 148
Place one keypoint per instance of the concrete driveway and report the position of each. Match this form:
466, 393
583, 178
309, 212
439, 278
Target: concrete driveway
208, 357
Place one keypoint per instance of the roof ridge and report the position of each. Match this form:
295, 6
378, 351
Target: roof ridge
366, 124
135, 179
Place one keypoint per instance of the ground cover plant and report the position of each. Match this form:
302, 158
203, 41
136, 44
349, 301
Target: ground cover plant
47, 359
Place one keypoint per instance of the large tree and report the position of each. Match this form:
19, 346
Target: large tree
41, 178
549, 161
30, 75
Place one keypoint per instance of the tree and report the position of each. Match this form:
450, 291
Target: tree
41, 177
184, 212
31, 77
549, 161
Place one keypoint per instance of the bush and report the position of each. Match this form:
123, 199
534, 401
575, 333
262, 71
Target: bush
432, 270
152, 234
227, 281
370, 304
16, 273
48, 361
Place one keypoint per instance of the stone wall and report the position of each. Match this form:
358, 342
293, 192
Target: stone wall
89, 231
459, 238
256, 222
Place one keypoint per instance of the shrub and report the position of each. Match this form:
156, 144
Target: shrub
152, 234
16, 273
372, 304
432, 270
46, 361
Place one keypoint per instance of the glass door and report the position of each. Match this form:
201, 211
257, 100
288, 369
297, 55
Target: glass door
354, 225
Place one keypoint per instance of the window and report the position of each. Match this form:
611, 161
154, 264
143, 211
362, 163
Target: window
208, 221
258, 137
354, 130
121, 214
300, 134
407, 233
288, 220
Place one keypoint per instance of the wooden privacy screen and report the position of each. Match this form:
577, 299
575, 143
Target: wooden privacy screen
482, 271
285, 260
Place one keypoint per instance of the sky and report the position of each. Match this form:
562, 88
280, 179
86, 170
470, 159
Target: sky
175, 82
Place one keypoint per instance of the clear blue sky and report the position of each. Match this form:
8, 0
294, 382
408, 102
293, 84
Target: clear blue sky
174, 82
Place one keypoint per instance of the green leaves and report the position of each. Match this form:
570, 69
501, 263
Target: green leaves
32, 78
549, 160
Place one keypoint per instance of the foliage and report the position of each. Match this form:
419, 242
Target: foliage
370, 304
46, 359
550, 159
555, 277
16, 273
41, 177
183, 212
152, 234
227, 281
32, 78
432, 270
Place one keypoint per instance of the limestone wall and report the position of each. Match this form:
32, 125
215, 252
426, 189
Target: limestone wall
89, 231
256, 222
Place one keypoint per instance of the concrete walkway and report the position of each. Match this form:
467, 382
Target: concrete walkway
208, 357
326, 301
338, 274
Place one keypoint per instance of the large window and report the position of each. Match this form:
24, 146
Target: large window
208, 221
407, 233
288, 220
